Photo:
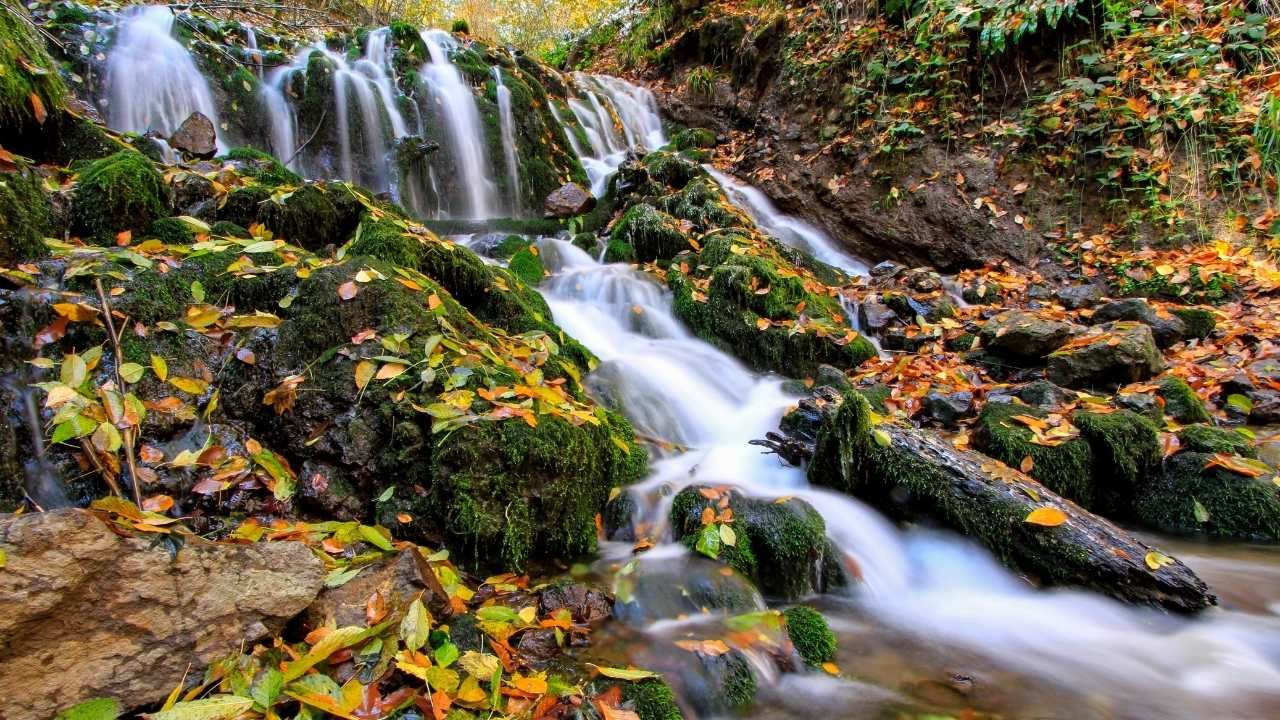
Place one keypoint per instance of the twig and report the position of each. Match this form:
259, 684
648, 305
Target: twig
130, 456
319, 124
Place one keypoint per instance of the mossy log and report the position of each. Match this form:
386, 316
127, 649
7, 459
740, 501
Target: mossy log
916, 475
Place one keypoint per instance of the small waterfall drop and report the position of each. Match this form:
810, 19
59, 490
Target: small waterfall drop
508, 126
455, 104
616, 117
251, 42
152, 81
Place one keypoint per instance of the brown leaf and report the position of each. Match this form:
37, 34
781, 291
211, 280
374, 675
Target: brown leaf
37, 108
348, 290
1027, 464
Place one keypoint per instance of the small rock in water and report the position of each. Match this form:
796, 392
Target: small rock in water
196, 136
568, 200
947, 408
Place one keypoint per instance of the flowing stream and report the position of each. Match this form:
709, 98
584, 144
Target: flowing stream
507, 124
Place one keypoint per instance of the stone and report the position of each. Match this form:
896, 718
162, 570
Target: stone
568, 200
1168, 329
1266, 407
90, 613
1144, 404
923, 280
1114, 354
587, 605
874, 317
398, 579
195, 136
1024, 335
1074, 297
948, 408
886, 269
1044, 394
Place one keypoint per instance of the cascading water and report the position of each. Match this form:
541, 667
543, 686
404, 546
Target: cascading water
615, 116
454, 103
152, 81
251, 42
507, 124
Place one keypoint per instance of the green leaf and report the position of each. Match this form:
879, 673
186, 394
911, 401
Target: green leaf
197, 291
881, 437
95, 709
261, 246
267, 688
416, 626
340, 576
1202, 513
131, 372
376, 537
497, 613
386, 494
74, 370
446, 654
709, 542
632, 674
343, 637
479, 665
78, 426
220, 707
728, 536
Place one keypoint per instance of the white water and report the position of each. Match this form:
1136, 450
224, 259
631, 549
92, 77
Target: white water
508, 125
251, 42
616, 117
152, 81
455, 104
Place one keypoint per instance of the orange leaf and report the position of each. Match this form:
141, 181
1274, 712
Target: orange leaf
433, 301
1235, 464
37, 108
347, 290
1046, 517
1027, 464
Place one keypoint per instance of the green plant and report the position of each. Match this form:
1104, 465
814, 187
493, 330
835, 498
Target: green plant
701, 81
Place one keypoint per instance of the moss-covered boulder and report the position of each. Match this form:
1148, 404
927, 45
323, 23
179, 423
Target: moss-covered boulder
527, 265
313, 216
1210, 439
645, 234
810, 635
120, 192
1199, 322
1126, 451
1109, 355
24, 217
1064, 464
652, 699
1025, 335
694, 138
261, 166
1196, 493
31, 88
1181, 402
782, 546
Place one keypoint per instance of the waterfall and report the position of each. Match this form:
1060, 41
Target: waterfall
251, 42
455, 104
508, 125
616, 117
152, 80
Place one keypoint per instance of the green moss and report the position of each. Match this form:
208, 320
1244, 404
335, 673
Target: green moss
527, 266
1126, 450
694, 138
120, 192
172, 231
652, 700
24, 218
384, 239
1200, 322
1181, 402
1066, 468
650, 233
1188, 497
876, 395
509, 245
224, 228
702, 203
26, 70
263, 166
737, 686
670, 169
810, 635
1209, 439
460, 26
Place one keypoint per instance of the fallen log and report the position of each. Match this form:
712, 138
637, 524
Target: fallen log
914, 475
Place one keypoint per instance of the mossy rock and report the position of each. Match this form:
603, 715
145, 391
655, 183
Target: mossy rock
652, 699
1126, 451
780, 545
153, 296
650, 235
702, 203
120, 192
670, 169
1066, 468
263, 167
313, 216
32, 92
508, 492
1200, 322
690, 138
810, 635
1181, 402
1209, 439
172, 231
384, 239
1188, 497
24, 217
527, 265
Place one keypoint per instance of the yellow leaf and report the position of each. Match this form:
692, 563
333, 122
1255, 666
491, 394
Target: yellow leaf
531, 685
364, 373
1046, 517
831, 668
200, 316
76, 312
161, 367
1028, 463
191, 386
1156, 560
391, 370
527, 615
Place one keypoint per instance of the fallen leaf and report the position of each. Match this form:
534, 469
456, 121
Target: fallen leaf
1046, 517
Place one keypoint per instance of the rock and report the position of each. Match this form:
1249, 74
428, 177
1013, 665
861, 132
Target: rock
120, 192
832, 377
568, 200
1044, 394
190, 191
1024, 335
810, 635
1209, 439
948, 408
1144, 404
1266, 407
886, 269
89, 613
538, 647
917, 474
874, 317
1188, 497
980, 293
195, 136
923, 280
1074, 297
399, 579
1181, 402
1200, 322
1168, 329
781, 545
1114, 354
587, 605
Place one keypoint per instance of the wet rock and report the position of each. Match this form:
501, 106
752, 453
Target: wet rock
587, 605
326, 489
1044, 394
1209, 439
195, 136
948, 408
1075, 297
1114, 354
1181, 402
874, 317
923, 280
980, 293
538, 647
1144, 404
1191, 495
832, 377
568, 200
1168, 329
1024, 335
917, 474
398, 579
89, 613
908, 339
887, 269
1266, 407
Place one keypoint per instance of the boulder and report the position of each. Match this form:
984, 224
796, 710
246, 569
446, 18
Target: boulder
398, 579
92, 613
1195, 494
1108, 356
195, 136
875, 317
1167, 328
568, 200
1074, 297
913, 474
948, 408
1025, 335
